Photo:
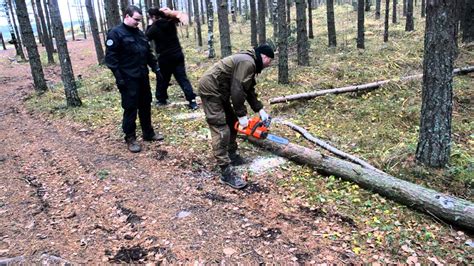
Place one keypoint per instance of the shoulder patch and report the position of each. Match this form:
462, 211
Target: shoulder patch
109, 42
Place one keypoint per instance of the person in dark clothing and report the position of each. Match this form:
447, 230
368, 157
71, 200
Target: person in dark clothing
224, 89
127, 54
164, 33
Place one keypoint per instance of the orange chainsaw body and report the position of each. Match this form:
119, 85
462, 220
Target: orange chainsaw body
256, 128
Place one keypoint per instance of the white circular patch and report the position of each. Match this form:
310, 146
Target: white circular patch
109, 42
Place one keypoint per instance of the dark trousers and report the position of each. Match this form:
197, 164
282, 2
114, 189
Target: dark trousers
221, 120
173, 65
136, 100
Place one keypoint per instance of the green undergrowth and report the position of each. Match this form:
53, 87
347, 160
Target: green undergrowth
380, 126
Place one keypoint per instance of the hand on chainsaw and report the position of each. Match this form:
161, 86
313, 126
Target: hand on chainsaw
263, 115
244, 121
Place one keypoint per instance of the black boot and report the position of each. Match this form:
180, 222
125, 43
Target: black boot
133, 145
236, 159
231, 178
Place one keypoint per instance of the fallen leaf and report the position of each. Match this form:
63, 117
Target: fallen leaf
229, 251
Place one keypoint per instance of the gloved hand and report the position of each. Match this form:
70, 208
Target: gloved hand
244, 121
263, 115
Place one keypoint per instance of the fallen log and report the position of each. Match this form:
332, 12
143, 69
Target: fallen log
363, 87
451, 209
325, 145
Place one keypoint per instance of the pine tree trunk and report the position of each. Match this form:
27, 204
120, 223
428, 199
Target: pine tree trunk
302, 35
288, 15
468, 22
31, 47
394, 12
112, 13
14, 30
360, 25
282, 43
331, 23
48, 43
423, 8
253, 23
387, 17
37, 22
410, 24
190, 12
223, 17
404, 8
123, 6
377, 9
95, 32
3, 41
203, 19
169, 4
437, 96
367, 5
210, 29
67, 74
310, 19
197, 21
262, 38
103, 26
234, 11
48, 20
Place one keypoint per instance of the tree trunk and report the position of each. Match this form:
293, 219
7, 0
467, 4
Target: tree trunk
302, 35
233, 10
288, 15
3, 41
223, 17
331, 23
67, 75
394, 12
377, 9
203, 20
360, 25
95, 32
14, 30
37, 22
423, 8
357, 88
367, 5
468, 22
48, 20
262, 38
410, 24
387, 17
70, 18
454, 210
253, 23
275, 21
112, 13
310, 19
123, 6
197, 21
404, 8
210, 29
190, 12
282, 43
169, 4
48, 43
434, 144
80, 14
103, 26
31, 47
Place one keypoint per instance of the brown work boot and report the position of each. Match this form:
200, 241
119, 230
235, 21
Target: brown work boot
133, 145
156, 137
231, 178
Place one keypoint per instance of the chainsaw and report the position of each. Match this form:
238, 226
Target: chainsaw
259, 130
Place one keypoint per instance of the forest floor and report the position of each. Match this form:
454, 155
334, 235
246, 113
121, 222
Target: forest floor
71, 192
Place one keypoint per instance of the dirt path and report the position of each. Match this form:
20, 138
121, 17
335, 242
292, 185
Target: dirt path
76, 194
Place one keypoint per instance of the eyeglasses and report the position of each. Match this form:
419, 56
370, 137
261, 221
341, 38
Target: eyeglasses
137, 19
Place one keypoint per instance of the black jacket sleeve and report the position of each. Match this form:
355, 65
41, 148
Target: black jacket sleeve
112, 54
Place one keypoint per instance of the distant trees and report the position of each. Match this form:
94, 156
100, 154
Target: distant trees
377, 9
262, 38
112, 13
48, 42
210, 29
223, 16
468, 22
301, 35
67, 75
282, 43
197, 21
310, 18
95, 32
387, 17
410, 25
31, 47
394, 12
13, 30
253, 23
434, 144
360, 25
331, 23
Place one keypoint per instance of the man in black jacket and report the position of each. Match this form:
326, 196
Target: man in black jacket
128, 54
171, 58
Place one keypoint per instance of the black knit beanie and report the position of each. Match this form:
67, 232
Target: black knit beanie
266, 50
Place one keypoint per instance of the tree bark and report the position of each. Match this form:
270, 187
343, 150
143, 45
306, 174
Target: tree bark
262, 38
404, 6
423, 8
410, 24
14, 30
48, 42
451, 209
377, 8
223, 17
123, 6
288, 15
360, 25
190, 12
31, 47
37, 22
275, 21
367, 5
434, 144
234, 11
468, 23
282, 43
356, 88
67, 74
210, 29
103, 26
70, 18
387, 16
302, 35
197, 21
394, 12
310, 19
48, 20
95, 32
253, 23
112, 13
331, 23
3, 41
